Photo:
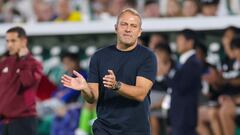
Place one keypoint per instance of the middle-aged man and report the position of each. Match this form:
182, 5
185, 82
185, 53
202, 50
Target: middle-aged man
120, 77
20, 76
186, 85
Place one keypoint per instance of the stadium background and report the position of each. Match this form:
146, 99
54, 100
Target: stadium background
92, 27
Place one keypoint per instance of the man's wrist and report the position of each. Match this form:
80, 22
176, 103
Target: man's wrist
117, 86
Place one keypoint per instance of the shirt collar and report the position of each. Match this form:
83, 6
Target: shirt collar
185, 56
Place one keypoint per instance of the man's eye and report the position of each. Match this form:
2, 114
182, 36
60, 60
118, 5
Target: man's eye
134, 26
123, 24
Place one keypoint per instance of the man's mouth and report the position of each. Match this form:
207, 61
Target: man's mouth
126, 35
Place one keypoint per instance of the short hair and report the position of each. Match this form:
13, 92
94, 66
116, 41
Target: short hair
231, 28
189, 35
132, 11
209, 2
235, 43
19, 30
163, 47
148, 2
202, 47
72, 56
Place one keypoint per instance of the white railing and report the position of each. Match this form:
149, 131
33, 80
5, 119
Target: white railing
107, 26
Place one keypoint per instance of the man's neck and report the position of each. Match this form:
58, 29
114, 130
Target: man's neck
124, 47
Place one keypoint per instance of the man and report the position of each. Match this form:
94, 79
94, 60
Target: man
65, 13
120, 77
186, 85
209, 7
20, 75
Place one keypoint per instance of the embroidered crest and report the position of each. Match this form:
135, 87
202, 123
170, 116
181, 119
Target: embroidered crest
18, 70
5, 70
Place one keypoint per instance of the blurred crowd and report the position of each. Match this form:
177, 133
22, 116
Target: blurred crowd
84, 10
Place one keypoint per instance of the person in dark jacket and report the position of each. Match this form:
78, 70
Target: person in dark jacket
185, 84
20, 75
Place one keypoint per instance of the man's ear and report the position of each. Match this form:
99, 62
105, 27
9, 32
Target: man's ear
140, 33
115, 27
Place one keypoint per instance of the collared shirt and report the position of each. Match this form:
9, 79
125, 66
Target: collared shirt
184, 57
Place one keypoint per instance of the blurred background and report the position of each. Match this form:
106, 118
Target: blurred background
63, 34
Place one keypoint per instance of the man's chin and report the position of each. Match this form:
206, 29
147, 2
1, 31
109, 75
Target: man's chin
128, 43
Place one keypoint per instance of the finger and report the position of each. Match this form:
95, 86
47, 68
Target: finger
109, 76
77, 74
65, 82
108, 83
108, 86
66, 77
108, 79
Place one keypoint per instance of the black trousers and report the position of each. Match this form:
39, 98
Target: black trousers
21, 126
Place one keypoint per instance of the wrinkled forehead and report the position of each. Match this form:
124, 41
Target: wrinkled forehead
129, 16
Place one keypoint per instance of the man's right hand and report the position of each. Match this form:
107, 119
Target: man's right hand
78, 83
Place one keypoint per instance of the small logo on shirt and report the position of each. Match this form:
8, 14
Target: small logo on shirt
5, 70
18, 70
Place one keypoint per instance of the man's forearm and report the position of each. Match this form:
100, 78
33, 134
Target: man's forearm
88, 95
133, 92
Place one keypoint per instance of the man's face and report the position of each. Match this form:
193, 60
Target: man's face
63, 8
128, 29
14, 43
189, 8
68, 64
181, 44
209, 10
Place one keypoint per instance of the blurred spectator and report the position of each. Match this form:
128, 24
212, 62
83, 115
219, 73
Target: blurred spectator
116, 6
1, 11
11, 13
173, 8
19, 79
156, 39
227, 37
229, 83
66, 123
151, 9
184, 97
44, 11
53, 66
207, 110
99, 9
66, 13
209, 7
190, 8
70, 62
160, 87
234, 6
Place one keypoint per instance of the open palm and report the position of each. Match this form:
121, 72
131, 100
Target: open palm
77, 83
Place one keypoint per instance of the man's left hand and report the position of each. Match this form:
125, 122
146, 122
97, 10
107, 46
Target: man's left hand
109, 80
23, 52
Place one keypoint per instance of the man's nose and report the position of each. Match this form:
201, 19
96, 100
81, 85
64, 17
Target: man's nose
9, 45
128, 29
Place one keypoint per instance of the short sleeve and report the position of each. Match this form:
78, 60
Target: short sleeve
93, 75
148, 68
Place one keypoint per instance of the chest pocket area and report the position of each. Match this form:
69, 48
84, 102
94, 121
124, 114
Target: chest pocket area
5, 75
128, 73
